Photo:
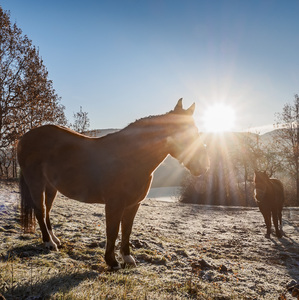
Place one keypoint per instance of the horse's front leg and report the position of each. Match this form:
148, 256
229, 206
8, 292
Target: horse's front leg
126, 227
113, 218
267, 218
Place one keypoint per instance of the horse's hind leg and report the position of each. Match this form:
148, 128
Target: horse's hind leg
50, 195
280, 208
126, 226
280, 219
275, 221
37, 194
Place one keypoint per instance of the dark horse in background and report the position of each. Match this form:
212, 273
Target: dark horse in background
269, 196
115, 170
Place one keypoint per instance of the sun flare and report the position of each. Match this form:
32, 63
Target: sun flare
219, 118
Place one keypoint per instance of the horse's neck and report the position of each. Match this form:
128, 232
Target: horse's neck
148, 139
148, 143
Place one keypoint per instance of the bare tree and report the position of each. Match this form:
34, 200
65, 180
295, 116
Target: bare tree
233, 156
81, 121
27, 96
287, 139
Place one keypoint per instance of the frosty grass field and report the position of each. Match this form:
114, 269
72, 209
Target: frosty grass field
183, 252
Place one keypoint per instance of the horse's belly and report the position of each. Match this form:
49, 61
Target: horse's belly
94, 183
82, 195
79, 186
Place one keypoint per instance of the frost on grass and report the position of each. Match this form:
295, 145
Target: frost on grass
182, 251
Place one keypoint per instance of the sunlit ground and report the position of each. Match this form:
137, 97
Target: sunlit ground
219, 118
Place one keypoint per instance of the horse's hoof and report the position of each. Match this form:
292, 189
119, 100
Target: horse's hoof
58, 243
55, 238
51, 246
279, 235
129, 260
114, 268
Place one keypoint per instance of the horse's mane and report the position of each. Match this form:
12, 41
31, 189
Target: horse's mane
145, 121
154, 120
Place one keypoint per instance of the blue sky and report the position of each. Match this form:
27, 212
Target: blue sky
123, 60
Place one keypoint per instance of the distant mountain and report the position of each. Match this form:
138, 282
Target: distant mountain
269, 135
100, 132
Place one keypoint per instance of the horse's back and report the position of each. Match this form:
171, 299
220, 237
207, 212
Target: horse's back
46, 131
42, 140
39, 144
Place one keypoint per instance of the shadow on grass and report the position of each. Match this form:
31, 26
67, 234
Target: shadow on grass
288, 249
44, 289
26, 251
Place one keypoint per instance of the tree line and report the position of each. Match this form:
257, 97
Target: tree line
235, 156
27, 96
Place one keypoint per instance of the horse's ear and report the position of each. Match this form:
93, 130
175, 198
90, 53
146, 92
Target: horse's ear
191, 109
179, 105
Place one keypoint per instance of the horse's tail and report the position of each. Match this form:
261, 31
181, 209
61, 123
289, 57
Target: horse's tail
27, 208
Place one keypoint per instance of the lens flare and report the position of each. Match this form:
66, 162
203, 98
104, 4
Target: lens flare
219, 118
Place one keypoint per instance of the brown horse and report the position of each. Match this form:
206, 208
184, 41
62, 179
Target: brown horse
269, 196
115, 170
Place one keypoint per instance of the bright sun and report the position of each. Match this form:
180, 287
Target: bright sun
218, 118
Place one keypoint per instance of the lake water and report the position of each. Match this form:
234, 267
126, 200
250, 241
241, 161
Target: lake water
168, 194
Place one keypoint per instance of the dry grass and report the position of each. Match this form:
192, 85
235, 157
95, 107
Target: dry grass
183, 252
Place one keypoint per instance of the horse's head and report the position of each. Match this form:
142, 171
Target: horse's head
184, 140
261, 180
